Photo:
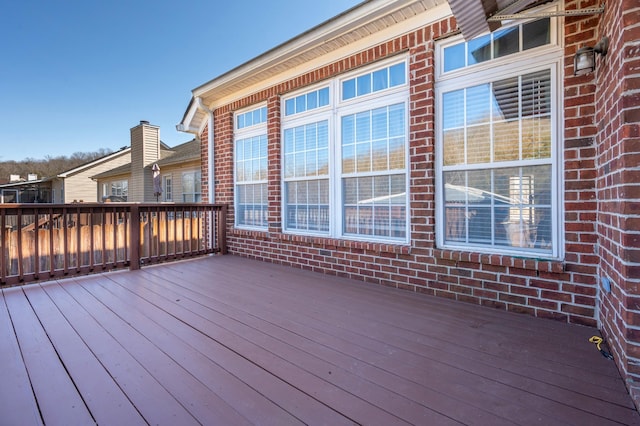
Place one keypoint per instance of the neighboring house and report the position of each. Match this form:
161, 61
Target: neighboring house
30, 190
74, 185
179, 171
405, 144
77, 185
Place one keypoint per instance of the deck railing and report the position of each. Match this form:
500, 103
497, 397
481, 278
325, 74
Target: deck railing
44, 241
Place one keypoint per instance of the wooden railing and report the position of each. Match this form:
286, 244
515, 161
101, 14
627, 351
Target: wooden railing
44, 241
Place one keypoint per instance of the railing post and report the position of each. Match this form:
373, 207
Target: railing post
134, 232
222, 229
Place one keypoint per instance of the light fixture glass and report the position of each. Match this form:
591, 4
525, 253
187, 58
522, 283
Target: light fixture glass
585, 60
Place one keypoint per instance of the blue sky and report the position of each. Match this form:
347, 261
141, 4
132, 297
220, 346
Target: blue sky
76, 75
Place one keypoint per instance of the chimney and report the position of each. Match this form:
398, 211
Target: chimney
145, 150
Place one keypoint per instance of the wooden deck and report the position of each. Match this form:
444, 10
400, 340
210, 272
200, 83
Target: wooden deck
226, 340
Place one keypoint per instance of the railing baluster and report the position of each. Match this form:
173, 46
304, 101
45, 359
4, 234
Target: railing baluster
4, 235
201, 230
52, 267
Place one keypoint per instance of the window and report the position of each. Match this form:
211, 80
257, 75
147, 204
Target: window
497, 160
251, 171
191, 187
345, 163
167, 188
119, 190
306, 176
307, 102
500, 43
251, 118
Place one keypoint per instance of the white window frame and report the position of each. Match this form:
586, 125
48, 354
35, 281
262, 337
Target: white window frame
245, 133
334, 112
197, 178
547, 57
167, 189
118, 186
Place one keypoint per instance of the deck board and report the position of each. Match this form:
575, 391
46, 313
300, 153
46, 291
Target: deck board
17, 402
58, 399
509, 386
227, 340
99, 391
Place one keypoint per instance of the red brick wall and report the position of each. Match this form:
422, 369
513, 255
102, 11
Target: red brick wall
564, 290
617, 118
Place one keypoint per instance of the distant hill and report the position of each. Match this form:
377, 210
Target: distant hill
48, 166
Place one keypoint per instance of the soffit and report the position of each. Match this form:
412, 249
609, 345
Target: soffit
360, 22
472, 15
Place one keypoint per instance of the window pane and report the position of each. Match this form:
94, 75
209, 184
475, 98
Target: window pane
288, 140
363, 157
349, 89
536, 93
453, 109
301, 103
536, 34
379, 121
312, 100
453, 147
323, 134
323, 97
380, 156
348, 130
289, 165
396, 120
363, 126
506, 42
397, 154
311, 136
508, 207
363, 84
380, 79
289, 106
478, 104
479, 50
397, 75
299, 139
505, 99
348, 159
479, 144
536, 138
506, 141
306, 207
454, 57
252, 207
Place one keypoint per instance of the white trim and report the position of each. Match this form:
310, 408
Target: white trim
518, 64
555, 45
338, 30
334, 113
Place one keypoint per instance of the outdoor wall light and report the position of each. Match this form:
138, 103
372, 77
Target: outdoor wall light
585, 60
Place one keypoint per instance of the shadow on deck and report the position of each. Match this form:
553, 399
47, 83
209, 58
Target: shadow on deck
226, 340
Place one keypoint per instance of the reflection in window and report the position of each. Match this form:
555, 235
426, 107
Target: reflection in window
251, 181
392, 76
306, 175
191, 187
373, 151
498, 44
496, 160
